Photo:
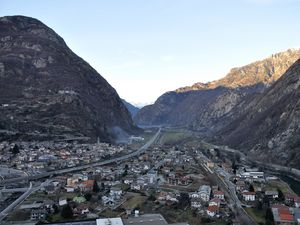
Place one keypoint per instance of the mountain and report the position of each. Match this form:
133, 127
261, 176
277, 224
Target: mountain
48, 92
203, 105
131, 108
269, 125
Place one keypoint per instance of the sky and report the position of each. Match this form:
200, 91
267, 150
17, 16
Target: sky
145, 48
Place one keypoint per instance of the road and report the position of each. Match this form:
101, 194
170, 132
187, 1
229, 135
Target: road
18, 201
86, 166
229, 188
293, 172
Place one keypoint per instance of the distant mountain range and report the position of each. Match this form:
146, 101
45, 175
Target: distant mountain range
131, 108
239, 109
48, 92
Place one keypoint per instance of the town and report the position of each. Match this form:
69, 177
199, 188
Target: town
186, 182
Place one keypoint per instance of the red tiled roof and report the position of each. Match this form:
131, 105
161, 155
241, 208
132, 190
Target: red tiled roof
286, 217
248, 193
297, 199
88, 183
213, 208
217, 200
218, 193
284, 212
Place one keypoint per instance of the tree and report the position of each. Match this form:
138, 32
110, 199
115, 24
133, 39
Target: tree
259, 205
66, 212
55, 208
269, 217
183, 200
251, 188
234, 167
96, 187
151, 198
280, 195
88, 196
15, 150
102, 187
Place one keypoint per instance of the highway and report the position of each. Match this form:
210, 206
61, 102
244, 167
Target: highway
18, 201
86, 166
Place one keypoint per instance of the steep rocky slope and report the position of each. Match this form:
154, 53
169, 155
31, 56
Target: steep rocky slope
269, 126
202, 106
48, 92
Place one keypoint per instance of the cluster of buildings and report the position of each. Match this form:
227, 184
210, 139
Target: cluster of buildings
36, 157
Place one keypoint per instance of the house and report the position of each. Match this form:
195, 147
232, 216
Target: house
212, 210
282, 214
82, 209
271, 194
297, 201
289, 199
240, 185
70, 189
196, 202
210, 165
215, 201
227, 167
115, 192
219, 194
296, 215
62, 201
194, 195
108, 200
87, 185
204, 192
38, 214
128, 181
249, 196
135, 186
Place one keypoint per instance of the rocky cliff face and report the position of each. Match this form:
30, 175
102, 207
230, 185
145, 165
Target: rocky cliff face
269, 125
48, 92
202, 106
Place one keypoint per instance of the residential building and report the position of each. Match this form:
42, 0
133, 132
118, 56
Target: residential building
219, 194
271, 194
212, 210
249, 196
204, 192
283, 215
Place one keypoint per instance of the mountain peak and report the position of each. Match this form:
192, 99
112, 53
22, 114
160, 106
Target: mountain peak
264, 72
47, 91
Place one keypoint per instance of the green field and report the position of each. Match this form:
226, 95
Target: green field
173, 137
278, 184
134, 202
257, 215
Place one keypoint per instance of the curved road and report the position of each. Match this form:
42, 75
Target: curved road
86, 166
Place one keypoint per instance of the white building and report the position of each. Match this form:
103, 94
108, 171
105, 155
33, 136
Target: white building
249, 196
109, 221
204, 192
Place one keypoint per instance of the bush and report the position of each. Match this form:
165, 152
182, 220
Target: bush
67, 212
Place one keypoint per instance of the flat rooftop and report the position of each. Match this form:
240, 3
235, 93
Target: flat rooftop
148, 219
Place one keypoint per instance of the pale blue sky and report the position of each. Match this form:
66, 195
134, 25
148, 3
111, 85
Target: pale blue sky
145, 48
